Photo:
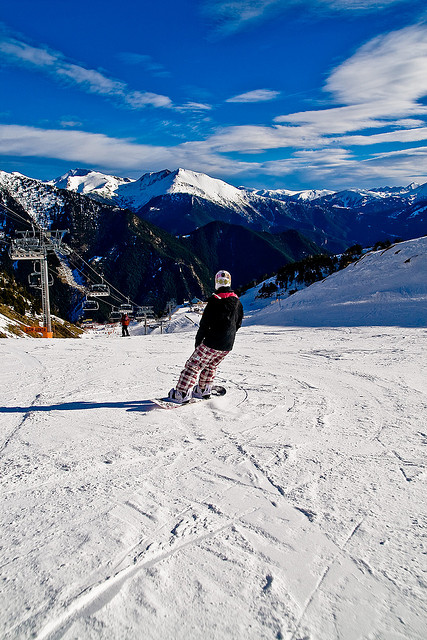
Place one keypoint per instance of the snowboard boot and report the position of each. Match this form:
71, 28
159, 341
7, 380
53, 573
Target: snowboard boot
178, 397
204, 394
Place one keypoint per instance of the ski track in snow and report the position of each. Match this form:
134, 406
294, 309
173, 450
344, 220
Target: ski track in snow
293, 507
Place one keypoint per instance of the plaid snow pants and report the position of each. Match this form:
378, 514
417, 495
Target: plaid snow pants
204, 360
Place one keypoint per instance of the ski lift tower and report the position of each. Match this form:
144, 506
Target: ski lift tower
32, 245
170, 307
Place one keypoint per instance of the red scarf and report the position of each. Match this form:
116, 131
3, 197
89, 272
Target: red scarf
226, 294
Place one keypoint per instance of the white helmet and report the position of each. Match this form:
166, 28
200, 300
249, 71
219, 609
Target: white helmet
222, 279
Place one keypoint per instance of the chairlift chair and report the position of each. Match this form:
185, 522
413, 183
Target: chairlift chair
115, 315
35, 280
143, 312
126, 308
99, 290
90, 305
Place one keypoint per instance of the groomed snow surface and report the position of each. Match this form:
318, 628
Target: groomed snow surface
293, 507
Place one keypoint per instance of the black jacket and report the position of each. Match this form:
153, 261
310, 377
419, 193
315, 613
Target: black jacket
221, 319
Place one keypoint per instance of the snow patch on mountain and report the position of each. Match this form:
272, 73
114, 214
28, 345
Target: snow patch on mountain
41, 203
357, 198
285, 194
384, 288
182, 181
89, 182
134, 194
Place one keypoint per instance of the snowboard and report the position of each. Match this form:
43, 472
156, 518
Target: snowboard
165, 403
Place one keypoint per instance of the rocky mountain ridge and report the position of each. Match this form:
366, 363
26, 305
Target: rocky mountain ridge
145, 262
182, 200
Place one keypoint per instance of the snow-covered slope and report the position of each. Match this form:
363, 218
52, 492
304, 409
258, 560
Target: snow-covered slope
387, 287
136, 193
10, 327
285, 194
41, 203
364, 198
290, 508
89, 182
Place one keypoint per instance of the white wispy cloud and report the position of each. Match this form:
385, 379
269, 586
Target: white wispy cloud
230, 16
118, 154
321, 143
70, 123
99, 150
338, 167
194, 106
83, 146
391, 68
57, 66
406, 135
257, 95
249, 138
372, 115
381, 86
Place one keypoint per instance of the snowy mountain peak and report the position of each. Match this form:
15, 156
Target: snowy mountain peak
152, 177
285, 194
203, 185
77, 172
89, 182
135, 194
182, 200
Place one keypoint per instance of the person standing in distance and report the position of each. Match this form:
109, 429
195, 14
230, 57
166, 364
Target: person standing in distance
125, 321
220, 321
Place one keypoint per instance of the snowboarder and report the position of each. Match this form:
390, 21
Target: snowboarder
125, 320
221, 319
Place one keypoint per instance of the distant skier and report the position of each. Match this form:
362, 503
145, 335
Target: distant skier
125, 321
221, 319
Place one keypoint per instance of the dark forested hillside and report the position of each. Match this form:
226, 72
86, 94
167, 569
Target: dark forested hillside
245, 253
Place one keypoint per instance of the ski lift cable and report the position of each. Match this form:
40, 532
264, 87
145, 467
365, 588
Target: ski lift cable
33, 224
30, 223
15, 215
105, 280
88, 277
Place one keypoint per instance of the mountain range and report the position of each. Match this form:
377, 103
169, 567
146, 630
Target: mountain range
146, 263
162, 236
182, 200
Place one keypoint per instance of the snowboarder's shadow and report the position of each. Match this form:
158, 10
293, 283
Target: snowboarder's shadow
141, 406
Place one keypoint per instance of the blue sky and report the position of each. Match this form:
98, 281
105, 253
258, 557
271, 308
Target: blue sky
263, 93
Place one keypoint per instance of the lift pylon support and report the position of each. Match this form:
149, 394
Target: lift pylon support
32, 245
